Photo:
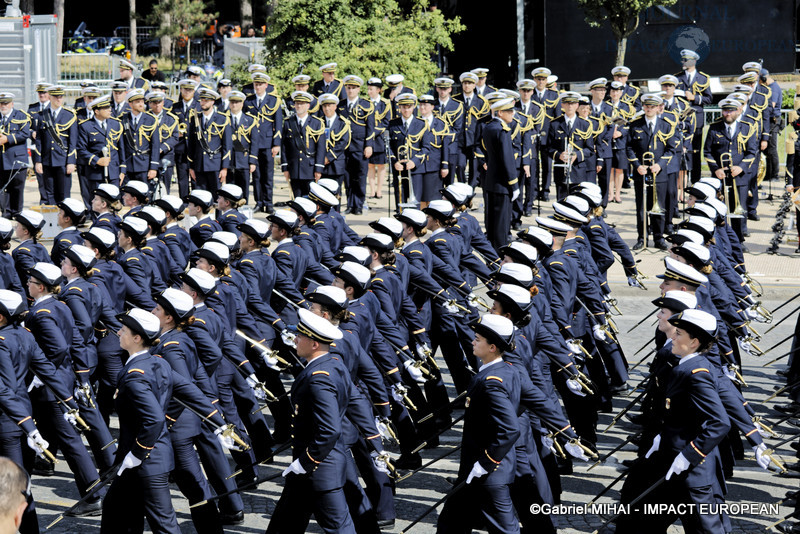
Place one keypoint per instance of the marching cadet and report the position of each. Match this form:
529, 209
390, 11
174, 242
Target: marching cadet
141, 140
161, 87
600, 139
320, 396
101, 150
199, 203
29, 252
376, 174
501, 184
119, 92
621, 114
537, 116
361, 115
15, 130
175, 236
437, 166
686, 124
570, 143
135, 195
71, 213
491, 427
169, 268
758, 109
301, 83
229, 199
303, 143
697, 90
731, 147
54, 153
329, 84
266, 108
224, 88
694, 423
651, 145
244, 157
550, 100
409, 139
482, 88
338, 136
468, 138
630, 94
452, 113
168, 127
90, 93
137, 265
8, 273
126, 69
147, 386
208, 143
182, 109
522, 139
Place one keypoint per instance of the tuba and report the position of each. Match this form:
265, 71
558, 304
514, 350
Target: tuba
648, 160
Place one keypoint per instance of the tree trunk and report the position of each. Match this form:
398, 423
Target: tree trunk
246, 12
166, 40
622, 44
58, 9
132, 17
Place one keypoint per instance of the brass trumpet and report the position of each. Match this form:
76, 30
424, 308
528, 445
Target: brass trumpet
734, 209
648, 160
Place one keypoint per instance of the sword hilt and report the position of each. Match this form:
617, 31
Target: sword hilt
230, 432
49, 456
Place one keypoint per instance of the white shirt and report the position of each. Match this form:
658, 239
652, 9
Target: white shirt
443, 103
302, 120
351, 103
437, 231
102, 124
569, 121
43, 298
55, 112
135, 354
135, 117
651, 124
329, 121
467, 100
485, 365
287, 240
687, 358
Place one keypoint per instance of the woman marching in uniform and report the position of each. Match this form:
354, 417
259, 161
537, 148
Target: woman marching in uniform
106, 205
685, 451
30, 251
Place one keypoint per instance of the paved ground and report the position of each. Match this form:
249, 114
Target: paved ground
780, 276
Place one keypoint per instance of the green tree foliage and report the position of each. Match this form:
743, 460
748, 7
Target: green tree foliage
365, 37
621, 15
178, 19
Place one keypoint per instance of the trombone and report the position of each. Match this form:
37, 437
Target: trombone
734, 210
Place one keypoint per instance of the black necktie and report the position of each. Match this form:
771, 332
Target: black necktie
103, 126
235, 124
650, 127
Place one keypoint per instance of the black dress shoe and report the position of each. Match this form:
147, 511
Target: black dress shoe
636, 419
516, 226
408, 461
87, 509
661, 245
789, 529
746, 233
357, 212
753, 217
797, 250
232, 519
783, 372
639, 245
622, 388
347, 211
528, 213
42, 468
792, 466
385, 524
795, 446
787, 408
794, 422
744, 248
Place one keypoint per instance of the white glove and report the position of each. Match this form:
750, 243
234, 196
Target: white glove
295, 468
547, 442
414, 371
477, 472
254, 384
654, 446
450, 306
575, 387
598, 333
761, 431
225, 438
514, 196
472, 300
37, 442
747, 347
379, 459
729, 373
423, 351
574, 346
71, 418
398, 392
575, 451
634, 282
762, 460
129, 462
35, 383
83, 395
270, 360
754, 314
679, 465
288, 338
383, 428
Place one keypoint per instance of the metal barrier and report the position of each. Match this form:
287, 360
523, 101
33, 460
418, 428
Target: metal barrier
100, 68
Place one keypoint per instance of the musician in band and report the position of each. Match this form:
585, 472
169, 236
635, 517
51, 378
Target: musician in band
15, 130
570, 143
141, 140
182, 109
209, 143
408, 139
168, 126
303, 145
651, 145
54, 154
100, 149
